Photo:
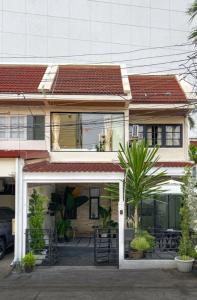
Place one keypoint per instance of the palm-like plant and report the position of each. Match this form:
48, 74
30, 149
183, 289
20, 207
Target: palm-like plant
143, 179
192, 11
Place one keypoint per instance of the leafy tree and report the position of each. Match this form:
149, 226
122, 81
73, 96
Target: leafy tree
192, 11
186, 248
36, 220
193, 153
143, 179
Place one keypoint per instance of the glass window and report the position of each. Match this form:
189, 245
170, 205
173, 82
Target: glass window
18, 127
35, 127
154, 135
87, 131
3, 127
161, 135
173, 135
162, 213
94, 208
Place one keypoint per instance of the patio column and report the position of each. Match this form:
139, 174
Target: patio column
121, 218
18, 210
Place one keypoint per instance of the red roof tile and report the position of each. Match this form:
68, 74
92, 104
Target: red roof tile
156, 89
73, 79
20, 78
46, 166
25, 154
174, 164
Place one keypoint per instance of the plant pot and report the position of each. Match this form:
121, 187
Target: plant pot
184, 266
135, 254
40, 257
61, 239
104, 235
28, 269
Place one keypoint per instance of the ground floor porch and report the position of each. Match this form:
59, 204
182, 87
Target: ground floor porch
86, 221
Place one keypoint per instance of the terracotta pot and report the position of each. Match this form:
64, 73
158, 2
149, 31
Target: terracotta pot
135, 254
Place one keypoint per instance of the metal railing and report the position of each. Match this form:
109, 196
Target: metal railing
106, 246
43, 244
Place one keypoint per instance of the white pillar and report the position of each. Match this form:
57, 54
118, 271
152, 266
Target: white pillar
18, 210
121, 218
24, 223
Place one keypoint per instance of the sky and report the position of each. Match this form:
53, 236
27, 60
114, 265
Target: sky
149, 36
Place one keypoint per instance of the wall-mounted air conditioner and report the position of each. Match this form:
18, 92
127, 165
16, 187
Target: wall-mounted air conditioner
134, 132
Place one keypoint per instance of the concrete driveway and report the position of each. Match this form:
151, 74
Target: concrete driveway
96, 284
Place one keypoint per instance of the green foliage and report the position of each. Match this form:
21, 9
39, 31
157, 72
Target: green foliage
193, 153
36, 220
112, 192
105, 215
62, 227
192, 11
143, 178
186, 247
140, 243
67, 204
150, 239
29, 260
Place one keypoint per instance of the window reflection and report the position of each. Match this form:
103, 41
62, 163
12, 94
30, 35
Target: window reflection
87, 131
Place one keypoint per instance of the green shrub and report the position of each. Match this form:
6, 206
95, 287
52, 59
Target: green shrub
36, 220
29, 260
140, 243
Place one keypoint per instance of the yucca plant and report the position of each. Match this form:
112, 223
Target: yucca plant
143, 179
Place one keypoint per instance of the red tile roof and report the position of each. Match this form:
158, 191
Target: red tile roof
46, 166
20, 78
25, 154
88, 79
156, 89
174, 164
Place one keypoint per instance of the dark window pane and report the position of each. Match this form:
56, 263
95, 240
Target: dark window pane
35, 127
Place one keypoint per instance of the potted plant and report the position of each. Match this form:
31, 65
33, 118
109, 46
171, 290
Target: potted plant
36, 221
28, 262
107, 222
143, 179
63, 230
185, 258
141, 243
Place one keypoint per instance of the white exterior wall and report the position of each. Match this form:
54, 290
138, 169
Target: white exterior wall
7, 167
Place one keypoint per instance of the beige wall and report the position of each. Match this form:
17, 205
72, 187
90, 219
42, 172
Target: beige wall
7, 166
83, 224
167, 154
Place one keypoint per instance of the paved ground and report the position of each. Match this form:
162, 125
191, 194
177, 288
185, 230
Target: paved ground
5, 268
93, 284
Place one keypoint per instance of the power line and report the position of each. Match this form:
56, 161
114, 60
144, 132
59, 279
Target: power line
104, 53
135, 5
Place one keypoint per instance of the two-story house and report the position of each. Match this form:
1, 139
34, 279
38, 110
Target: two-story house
60, 128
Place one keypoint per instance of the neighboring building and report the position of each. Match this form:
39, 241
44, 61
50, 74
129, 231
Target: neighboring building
60, 127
